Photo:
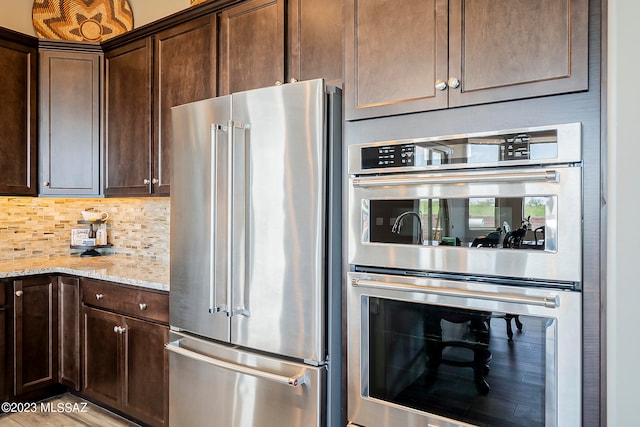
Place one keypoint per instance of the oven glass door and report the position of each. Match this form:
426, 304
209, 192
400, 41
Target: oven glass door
509, 222
439, 351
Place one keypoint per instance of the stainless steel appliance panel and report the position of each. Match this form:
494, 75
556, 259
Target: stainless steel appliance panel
199, 218
562, 379
214, 385
560, 261
279, 220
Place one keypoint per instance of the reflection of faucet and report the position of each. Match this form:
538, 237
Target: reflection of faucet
399, 221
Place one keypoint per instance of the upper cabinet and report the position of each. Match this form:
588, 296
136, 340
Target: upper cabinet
267, 42
418, 55
252, 43
315, 30
69, 126
144, 79
18, 114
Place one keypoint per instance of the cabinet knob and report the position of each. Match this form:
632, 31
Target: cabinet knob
441, 85
18, 293
293, 80
155, 181
454, 82
46, 183
118, 329
99, 296
278, 83
146, 181
143, 306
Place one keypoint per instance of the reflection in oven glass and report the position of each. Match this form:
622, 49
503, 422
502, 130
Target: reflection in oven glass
489, 222
459, 363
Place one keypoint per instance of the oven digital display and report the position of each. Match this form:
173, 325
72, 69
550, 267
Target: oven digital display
481, 150
388, 156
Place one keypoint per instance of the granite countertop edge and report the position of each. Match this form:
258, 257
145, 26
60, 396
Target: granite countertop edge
142, 272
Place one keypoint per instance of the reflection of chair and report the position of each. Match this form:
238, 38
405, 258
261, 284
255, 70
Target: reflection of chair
475, 338
508, 317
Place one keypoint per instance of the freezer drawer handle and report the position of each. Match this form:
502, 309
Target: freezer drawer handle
294, 381
549, 176
550, 301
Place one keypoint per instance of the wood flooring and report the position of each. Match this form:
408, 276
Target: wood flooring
65, 410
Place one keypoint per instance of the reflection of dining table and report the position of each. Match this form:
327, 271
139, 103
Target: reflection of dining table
475, 338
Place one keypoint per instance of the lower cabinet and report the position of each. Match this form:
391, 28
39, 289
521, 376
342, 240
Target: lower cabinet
125, 366
5, 370
35, 334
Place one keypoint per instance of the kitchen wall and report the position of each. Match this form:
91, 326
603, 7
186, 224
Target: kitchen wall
41, 227
16, 14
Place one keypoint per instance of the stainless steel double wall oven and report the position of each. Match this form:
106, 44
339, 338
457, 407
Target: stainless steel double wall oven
464, 302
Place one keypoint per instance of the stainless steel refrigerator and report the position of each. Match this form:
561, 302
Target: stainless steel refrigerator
255, 293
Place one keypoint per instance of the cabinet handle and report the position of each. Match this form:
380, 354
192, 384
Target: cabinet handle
293, 80
143, 306
46, 183
278, 83
99, 296
441, 85
118, 329
155, 181
454, 82
19, 293
146, 181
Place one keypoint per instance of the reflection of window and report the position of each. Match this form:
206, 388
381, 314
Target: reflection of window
482, 213
534, 207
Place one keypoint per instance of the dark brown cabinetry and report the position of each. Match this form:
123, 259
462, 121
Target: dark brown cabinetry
252, 46
125, 365
5, 339
69, 332
144, 79
263, 42
18, 114
35, 333
128, 119
315, 34
70, 93
419, 55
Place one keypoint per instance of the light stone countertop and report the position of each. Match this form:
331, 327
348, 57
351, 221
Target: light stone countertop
136, 271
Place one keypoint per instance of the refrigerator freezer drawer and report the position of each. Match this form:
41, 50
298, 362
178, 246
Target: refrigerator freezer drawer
213, 384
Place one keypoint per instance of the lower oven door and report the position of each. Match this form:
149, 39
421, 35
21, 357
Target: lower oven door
433, 352
216, 385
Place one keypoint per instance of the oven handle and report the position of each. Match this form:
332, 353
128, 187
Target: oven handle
550, 301
380, 181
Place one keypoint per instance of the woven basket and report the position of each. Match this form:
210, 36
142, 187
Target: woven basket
81, 20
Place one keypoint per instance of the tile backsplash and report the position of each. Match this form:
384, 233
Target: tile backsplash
33, 227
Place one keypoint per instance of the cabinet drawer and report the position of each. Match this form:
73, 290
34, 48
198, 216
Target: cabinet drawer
134, 302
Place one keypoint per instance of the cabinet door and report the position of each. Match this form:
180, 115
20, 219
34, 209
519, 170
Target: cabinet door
5, 339
18, 116
315, 31
185, 71
101, 366
394, 54
146, 373
251, 46
509, 49
69, 331
70, 123
35, 303
128, 120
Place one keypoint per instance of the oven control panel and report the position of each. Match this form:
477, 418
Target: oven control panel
388, 156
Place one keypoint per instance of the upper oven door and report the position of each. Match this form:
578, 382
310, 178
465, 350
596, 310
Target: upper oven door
510, 222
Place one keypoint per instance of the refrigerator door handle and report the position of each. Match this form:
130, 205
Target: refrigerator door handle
294, 381
241, 307
213, 304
